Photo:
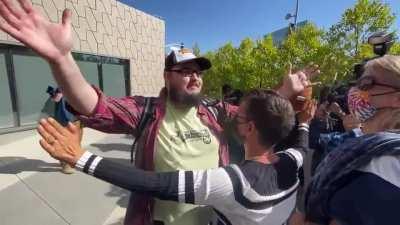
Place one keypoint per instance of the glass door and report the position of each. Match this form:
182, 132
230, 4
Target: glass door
6, 110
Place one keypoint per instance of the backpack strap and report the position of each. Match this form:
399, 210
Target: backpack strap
146, 117
211, 106
149, 112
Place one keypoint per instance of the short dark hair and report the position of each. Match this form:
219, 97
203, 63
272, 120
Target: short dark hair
226, 88
272, 114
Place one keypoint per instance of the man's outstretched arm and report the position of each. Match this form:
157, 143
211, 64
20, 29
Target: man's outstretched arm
160, 185
195, 187
53, 42
206, 187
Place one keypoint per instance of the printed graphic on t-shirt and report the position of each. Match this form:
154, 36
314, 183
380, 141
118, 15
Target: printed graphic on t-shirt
192, 136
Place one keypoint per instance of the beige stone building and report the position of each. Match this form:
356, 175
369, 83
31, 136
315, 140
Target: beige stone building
118, 48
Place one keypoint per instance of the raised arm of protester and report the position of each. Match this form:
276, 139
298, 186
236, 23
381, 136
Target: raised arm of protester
295, 82
304, 119
308, 113
53, 42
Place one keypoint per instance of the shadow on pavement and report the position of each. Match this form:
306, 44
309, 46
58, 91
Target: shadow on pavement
15, 165
116, 191
121, 193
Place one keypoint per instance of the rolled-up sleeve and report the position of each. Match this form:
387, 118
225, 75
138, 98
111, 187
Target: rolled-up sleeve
112, 114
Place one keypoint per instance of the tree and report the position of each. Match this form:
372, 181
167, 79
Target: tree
266, 60
221, 72
246, 75
395, 50
347, 39
196, 49
261, 63
358, 23
303, 46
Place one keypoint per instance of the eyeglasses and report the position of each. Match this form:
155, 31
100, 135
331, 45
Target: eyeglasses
186, 72
368, 82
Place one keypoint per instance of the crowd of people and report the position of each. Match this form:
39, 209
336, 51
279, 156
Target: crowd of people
331, 161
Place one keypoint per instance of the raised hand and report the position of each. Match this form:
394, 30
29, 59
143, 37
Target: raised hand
27, 25
350, 122
53, 42
294, 83
308, 113
62, 143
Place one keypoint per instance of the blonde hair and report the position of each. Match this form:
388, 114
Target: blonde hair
388, 63
385, 119
394, 122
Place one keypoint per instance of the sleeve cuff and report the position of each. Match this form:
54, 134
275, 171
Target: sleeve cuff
304, 126
357, 132
88, 162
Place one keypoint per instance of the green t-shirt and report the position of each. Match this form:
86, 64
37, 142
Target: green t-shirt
183, 143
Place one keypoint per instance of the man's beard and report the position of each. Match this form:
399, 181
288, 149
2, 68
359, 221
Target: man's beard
181, 98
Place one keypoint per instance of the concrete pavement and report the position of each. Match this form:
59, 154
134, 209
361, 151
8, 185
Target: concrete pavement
33, 191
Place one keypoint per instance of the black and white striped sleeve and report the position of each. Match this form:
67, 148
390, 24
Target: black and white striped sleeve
160, 185
301, 144
295, 155
206, 187
302, 137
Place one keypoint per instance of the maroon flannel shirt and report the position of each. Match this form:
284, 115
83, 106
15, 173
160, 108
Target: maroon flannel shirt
122, 115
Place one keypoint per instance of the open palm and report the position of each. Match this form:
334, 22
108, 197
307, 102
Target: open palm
296, 82
24, 23
62, 143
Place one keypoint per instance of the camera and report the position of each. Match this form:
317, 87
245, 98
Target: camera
381, 43
339, 95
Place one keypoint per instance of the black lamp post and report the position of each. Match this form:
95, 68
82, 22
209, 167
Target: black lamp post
289, 16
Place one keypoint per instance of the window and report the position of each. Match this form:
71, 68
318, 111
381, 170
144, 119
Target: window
6, 111
90, 72
113, 79
24, 78
111, 75
32, 77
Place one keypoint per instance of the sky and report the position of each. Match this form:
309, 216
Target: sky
213, 23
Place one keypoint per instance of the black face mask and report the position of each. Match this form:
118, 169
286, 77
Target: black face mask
182, 98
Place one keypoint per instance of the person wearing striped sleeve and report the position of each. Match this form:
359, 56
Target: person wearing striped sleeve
262, 190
